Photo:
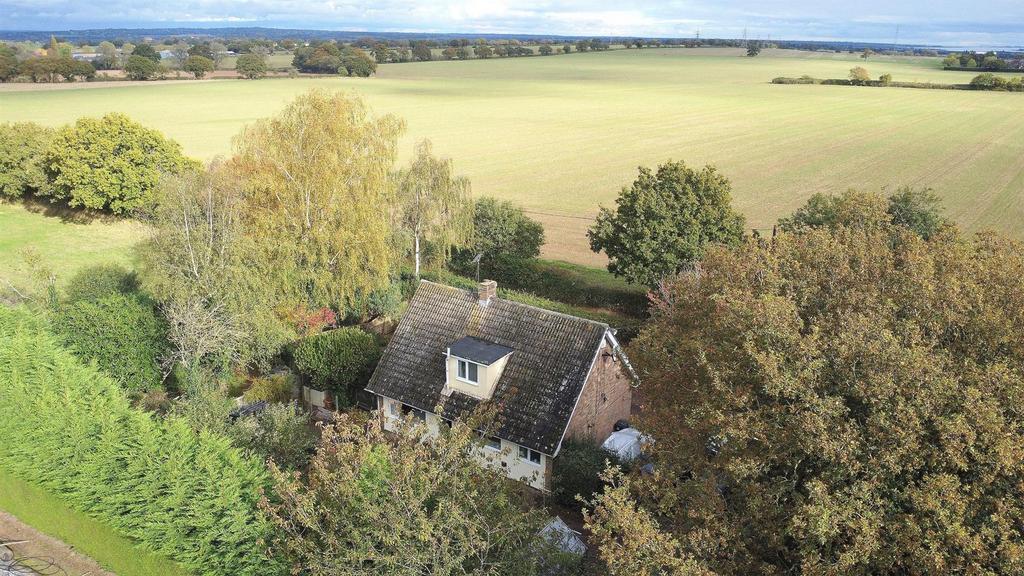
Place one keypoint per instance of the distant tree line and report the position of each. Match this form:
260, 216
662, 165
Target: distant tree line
971, 60
859, 76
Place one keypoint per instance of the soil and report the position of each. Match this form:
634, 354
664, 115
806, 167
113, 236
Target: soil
46, 551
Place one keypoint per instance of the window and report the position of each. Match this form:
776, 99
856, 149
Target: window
532, 455
416, 413
468, 372
493, 442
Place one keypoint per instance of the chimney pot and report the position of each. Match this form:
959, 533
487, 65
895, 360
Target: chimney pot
488, 289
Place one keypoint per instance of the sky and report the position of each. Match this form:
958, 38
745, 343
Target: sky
934, 22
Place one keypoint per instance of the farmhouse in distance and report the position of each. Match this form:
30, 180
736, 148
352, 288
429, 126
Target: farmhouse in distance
552, 376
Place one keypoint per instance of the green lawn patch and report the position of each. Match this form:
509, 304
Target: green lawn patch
46, 513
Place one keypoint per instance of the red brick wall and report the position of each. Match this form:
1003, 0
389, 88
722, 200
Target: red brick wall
606, 398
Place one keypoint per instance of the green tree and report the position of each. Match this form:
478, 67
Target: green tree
146, 51
355, 62
203, 50
395, 504
859, 75
433, 204
664, 221
280, 432
22, 147
627, 537
110, 163
546, 50
340, 361
917, 209
838, 401
198, 66
951, 61
251, 66
99, 281
8, 63
567, 48
317, 196
121, 333
504, 234
421, 52
885, 79
754, 49
141, 68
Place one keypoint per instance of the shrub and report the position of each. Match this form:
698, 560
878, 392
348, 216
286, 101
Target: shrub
121, 333
274, 388
21, 155
339, 361
577, 471
99, 281
281, 432
189, 496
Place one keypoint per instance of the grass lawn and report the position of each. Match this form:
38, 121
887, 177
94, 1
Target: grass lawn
561, 135
46, 513
63, 246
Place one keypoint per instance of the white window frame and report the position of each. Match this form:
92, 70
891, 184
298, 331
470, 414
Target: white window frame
459, 371
527, 457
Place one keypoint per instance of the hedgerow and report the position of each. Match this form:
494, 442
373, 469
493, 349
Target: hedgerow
66, 426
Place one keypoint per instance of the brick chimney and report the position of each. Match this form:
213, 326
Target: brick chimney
488, 289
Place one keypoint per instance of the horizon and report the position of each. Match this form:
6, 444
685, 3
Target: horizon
916, 23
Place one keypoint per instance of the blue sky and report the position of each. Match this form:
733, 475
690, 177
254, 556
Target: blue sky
941, 22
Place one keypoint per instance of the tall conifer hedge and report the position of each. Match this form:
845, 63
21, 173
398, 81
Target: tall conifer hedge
69, 428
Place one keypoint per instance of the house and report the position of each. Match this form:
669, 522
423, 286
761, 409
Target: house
550, 376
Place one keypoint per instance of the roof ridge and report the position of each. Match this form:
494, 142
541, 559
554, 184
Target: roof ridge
523, 304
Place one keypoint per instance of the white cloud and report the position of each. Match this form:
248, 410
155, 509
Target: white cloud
872, 20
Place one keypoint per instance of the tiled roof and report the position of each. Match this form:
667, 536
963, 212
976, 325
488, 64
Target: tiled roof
540, 384
479, 351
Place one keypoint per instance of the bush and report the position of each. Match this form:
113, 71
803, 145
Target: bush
577, 470
198, 66
339, 361
189, 496
21, 159
121, 333
281, 432
99, 281
274, 388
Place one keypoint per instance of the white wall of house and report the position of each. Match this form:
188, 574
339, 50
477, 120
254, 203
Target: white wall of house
507, 458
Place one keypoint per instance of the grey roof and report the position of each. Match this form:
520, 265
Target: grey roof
479, 351
539, 385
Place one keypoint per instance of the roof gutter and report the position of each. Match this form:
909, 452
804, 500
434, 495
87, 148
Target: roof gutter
621, 354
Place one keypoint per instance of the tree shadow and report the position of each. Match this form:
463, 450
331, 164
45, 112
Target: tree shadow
67, 214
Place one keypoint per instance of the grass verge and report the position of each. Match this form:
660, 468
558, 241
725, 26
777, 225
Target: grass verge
46, 513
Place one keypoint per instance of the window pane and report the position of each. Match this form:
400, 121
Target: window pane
472, 373
523, 453
534, 457
494, 442
462, 369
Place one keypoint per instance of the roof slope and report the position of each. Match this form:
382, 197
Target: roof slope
540, 384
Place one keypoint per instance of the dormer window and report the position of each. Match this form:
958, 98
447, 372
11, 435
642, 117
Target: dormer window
468, 372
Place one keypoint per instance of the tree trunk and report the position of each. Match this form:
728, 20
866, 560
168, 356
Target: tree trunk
417, 237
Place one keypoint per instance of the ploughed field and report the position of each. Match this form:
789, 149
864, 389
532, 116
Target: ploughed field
561, 135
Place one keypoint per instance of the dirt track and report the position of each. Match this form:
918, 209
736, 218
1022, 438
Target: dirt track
48, 549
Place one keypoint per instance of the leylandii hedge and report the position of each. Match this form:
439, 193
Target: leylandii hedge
66, 426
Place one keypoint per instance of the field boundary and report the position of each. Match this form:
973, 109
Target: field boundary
46, 513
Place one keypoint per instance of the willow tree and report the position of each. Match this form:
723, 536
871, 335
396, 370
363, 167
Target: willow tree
317, 197
433, 203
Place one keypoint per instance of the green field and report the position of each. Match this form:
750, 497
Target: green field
41, 510
64, 245
561, 134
